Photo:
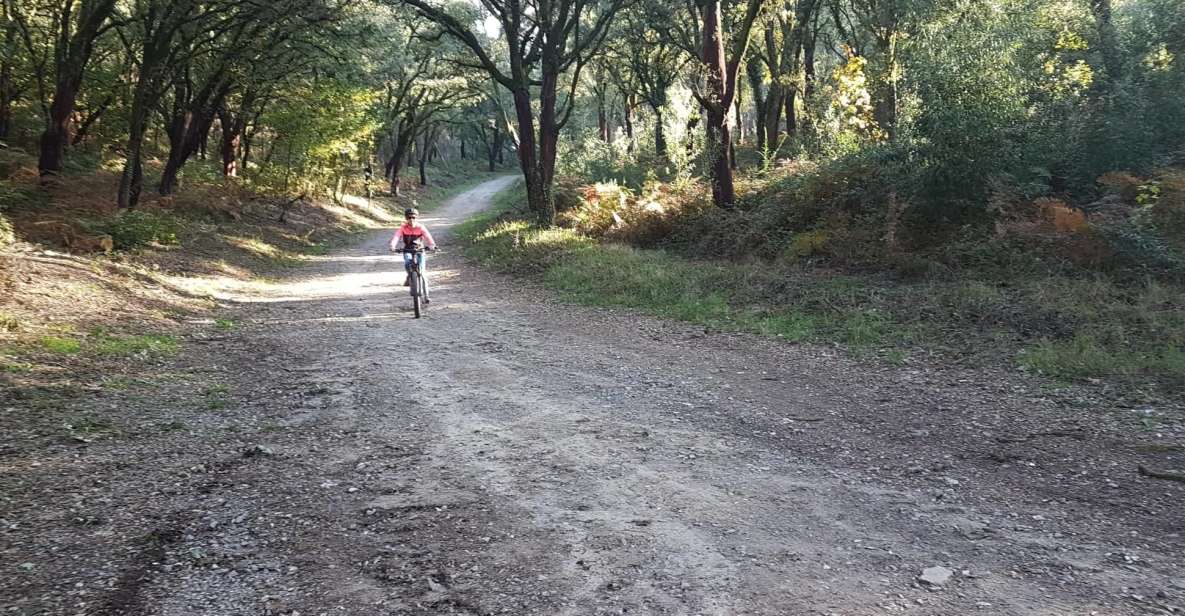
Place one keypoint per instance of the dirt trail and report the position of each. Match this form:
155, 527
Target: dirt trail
507, 454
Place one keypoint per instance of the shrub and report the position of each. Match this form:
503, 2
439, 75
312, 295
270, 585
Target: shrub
1120, 183
136, 228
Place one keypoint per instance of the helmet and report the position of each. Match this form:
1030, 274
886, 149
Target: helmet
411, 211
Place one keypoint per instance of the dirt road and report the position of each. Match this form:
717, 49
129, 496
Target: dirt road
511, 455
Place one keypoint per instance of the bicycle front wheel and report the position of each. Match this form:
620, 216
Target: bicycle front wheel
415, 287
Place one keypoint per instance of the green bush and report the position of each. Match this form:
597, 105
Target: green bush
136, 228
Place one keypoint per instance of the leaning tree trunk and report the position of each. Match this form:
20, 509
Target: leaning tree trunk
131, 182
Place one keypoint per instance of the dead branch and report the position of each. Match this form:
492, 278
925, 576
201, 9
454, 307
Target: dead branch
1156, 474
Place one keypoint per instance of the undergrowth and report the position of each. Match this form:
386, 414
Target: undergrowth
1088, 325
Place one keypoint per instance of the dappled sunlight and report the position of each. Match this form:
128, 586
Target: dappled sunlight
380, 275
253, 245
373, 213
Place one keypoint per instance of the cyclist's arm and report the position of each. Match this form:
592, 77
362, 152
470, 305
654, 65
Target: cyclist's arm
428, 241
397, 240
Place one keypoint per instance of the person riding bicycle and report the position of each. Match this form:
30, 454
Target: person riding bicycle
412, 235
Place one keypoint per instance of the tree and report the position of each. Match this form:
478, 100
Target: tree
76, 25
720, 66
654, 62
419, 85
546, 41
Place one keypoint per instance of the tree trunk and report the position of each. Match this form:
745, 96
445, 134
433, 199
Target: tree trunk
537, 193
131, 181
549, 136
718, 129
808, 66
773, 116
462, 149
395, 165
73, 53
193, 119
57, 133
7, 94
660, 138
628, 119
232, 130
1108, 43
91, 118
791, 112
602, 120
495, 147
426, 154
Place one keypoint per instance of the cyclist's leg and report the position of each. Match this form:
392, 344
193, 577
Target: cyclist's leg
407, 268
424, 271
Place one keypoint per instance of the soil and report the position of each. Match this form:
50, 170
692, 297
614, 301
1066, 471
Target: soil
509, 454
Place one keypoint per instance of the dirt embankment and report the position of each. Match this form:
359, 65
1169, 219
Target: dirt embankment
327, 453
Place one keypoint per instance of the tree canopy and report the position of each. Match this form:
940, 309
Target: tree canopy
962, 93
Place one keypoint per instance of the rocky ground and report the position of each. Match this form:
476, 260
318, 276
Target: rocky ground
507, 454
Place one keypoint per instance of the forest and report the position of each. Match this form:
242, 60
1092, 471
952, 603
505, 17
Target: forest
918, 139
762, 307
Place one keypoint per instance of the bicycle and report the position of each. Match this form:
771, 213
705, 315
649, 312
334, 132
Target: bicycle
415, 278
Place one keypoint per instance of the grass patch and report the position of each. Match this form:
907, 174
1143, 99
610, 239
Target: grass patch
225, 324
1086, 356
91, 426
144, 344
135, 228
217, 397
1065, 327
173, 426
16, 367
59, 345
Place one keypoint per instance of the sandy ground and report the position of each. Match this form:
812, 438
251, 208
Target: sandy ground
507, 454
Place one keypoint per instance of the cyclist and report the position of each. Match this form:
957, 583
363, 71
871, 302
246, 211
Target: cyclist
411, 234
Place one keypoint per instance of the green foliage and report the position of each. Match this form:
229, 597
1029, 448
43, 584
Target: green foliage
147, 344
136, 228
1084, 356
1073, 327
60, 346
16, 367
9, 323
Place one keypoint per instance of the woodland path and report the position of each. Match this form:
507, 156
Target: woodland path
508, 454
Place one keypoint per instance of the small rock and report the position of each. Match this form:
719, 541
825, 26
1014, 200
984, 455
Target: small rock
951, 481
1178, 583
257, 450
935, 576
